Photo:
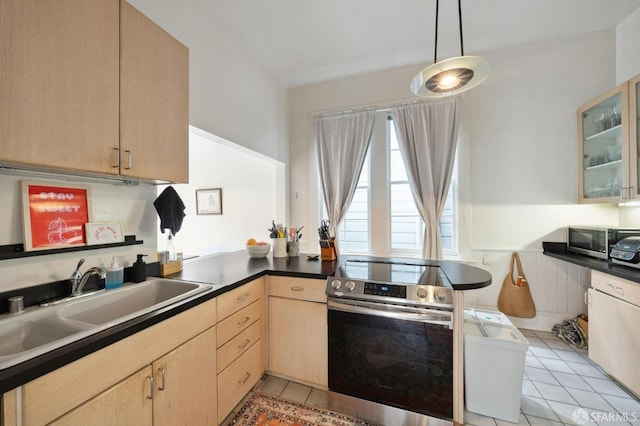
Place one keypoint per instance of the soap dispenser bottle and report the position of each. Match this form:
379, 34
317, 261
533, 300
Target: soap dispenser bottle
139, 271
115, 274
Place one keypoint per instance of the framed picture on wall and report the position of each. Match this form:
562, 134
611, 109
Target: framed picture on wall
209, 201
54, 215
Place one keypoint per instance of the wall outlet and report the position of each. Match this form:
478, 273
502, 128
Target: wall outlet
486, 259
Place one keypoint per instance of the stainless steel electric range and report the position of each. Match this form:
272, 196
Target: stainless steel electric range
390, 335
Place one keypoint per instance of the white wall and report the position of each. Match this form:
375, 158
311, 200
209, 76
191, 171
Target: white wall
518, 152
231, 94
129, 205
627, 52
524, 149
251, 196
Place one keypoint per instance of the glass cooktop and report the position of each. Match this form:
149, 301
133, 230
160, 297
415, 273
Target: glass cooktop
397, 273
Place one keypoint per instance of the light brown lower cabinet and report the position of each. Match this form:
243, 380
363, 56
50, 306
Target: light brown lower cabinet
236, 381
614, 315
125, 403
298, 330
186, 383
184, 346
191, 369
240, 343
170, 391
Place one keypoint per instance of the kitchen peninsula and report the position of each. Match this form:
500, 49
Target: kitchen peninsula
245, 330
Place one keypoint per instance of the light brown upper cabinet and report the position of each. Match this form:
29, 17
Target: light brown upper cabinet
154, 110
92, 87
608, 146
634, 136
59, 84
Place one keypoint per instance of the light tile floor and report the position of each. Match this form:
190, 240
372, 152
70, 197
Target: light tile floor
561, 386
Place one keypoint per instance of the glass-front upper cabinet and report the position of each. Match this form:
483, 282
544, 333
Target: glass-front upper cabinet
603, 133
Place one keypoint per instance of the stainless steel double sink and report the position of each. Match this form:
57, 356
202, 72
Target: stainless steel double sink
38, 330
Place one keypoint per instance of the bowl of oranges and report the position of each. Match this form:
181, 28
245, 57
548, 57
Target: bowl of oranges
257, 249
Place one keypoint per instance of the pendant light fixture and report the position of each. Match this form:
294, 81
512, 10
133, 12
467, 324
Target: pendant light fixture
450, 76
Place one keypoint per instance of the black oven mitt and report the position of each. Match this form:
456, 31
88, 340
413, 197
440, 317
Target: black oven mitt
170, 208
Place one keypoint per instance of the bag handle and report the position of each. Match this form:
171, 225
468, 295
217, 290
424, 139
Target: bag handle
515, 257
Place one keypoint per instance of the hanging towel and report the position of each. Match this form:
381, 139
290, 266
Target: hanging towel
170, 208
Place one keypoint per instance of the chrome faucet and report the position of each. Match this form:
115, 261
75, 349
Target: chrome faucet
76, 289
76, 276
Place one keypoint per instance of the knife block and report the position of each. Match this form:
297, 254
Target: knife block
328, 252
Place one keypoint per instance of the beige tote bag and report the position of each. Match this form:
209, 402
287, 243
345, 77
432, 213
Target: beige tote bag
515, 297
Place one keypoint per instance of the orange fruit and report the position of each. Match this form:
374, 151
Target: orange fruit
251, 242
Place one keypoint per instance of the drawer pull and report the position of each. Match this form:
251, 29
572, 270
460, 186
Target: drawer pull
163, 374
244, 345
297, 288
244, 380
242, 298
243, 322
616, 288
151, 386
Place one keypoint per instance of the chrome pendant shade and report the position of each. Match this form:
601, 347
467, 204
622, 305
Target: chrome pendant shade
450, 76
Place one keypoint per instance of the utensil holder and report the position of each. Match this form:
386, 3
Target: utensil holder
279, 247
293, 248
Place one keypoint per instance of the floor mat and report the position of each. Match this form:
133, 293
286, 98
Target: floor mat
266, 410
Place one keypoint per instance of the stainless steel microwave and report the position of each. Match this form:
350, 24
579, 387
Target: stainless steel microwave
596, 241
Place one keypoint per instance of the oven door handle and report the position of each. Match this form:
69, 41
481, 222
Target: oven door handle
430, 316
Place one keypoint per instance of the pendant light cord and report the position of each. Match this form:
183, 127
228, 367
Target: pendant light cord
460, 25
435, 49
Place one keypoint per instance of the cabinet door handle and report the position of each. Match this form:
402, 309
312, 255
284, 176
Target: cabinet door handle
243, 322
129, 159
243, 345
116, 158
244, 380
242, 298
586, 298
163, 374
297, 288
151, 386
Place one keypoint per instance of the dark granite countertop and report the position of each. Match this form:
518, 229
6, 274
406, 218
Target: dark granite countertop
237, 268
225, 272
559, 251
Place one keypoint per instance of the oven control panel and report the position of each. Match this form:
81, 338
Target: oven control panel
388, 290
423, 295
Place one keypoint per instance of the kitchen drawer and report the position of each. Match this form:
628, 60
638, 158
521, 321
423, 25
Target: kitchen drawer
235, 347
234, 300
238, 379
626, 290
230, 327
311, 290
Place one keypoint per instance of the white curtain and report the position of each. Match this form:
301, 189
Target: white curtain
427, 135
342, 142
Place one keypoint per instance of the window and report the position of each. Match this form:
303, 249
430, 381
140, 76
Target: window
353, 233
383, 218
